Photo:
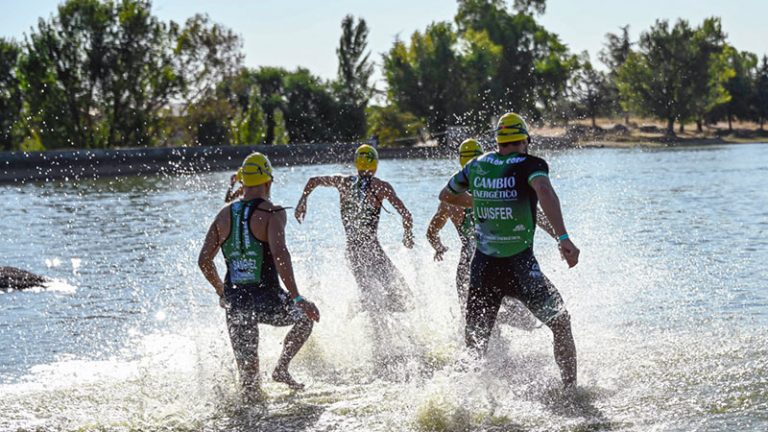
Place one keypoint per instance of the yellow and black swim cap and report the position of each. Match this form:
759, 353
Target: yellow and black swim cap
468, 150
256, 170
511, 128
366, 158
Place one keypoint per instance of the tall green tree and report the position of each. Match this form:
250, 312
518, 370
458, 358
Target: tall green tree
270, 82
66, 60
352, 87
206, 54
709, 71
109, 71
740, 86
425, 77
676, 73
613, 55
480, 58
311, 111
10, 93
592, 92
760, 93
534, 65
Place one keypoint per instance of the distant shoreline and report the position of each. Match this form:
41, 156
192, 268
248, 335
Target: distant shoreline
76, 165
655, 143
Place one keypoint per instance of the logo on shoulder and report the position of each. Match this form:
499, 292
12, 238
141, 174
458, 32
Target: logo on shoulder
515, 160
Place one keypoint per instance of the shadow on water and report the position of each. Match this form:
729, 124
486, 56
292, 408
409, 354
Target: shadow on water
580, 404
293, 417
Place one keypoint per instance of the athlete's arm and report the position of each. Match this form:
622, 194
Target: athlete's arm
312, 183
211, 245
232, 194
276, 239
456, 191
550, 204
435, 225
543, 223
463, 200
389, 194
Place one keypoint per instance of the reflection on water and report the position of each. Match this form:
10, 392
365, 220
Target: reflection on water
669, 307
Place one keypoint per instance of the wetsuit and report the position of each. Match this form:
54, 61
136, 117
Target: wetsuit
382, 287
467, 237
504, 208
251, 287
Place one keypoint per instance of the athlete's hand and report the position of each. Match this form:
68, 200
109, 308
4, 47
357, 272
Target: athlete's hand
408, 239
301, 210
309, 309
233, 180
569, 252
439, 252
222, 302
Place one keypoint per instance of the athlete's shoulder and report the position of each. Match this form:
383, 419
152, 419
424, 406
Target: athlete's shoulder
485, 157
535, 159
272, 207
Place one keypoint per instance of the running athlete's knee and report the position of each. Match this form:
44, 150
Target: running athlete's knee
561, 324
304, 324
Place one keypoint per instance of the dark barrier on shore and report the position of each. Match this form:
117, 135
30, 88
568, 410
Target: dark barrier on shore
19, 167
16, 167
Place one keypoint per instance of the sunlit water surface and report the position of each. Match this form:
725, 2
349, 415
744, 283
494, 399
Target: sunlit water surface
669, 307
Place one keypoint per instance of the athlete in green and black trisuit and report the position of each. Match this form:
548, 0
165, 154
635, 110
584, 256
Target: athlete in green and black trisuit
251, 234
382, 287
512, 313
503, 188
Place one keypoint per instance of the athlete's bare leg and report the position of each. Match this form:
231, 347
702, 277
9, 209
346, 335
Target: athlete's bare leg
293, 342
565, 349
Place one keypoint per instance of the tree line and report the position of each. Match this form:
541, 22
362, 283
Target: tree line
108, 73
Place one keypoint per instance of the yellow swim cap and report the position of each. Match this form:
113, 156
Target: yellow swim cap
255, 170
468, 150
366, 158
511, 128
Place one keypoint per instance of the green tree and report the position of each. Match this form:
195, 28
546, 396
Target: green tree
739, 86
270, 82
206, 54
210, 119
709, 71
534, 65
425, 77
389, 124
760, 93
352, 87
675, 74
615, 52
110, 70
592, 92
10, 94
481, 58
310, 115
66, 58
243, 94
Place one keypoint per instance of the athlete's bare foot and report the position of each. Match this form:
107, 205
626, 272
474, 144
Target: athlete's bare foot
282, 376
253, 395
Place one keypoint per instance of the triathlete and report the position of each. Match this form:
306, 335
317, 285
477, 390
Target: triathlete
503, 188
512, 313
382, 286
251, 234
383, 291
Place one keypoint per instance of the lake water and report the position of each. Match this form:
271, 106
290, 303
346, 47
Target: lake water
669, 307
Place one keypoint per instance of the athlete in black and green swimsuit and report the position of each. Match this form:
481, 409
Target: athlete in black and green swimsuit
251, 234
503, 188
513, 313
382, 286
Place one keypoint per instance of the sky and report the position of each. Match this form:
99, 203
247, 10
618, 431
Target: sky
291, 33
